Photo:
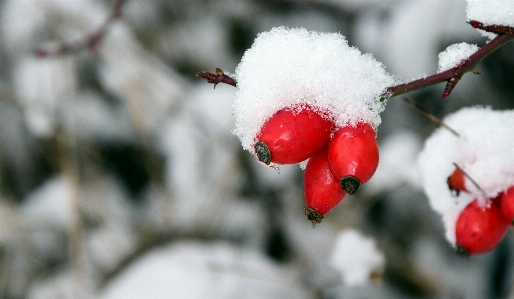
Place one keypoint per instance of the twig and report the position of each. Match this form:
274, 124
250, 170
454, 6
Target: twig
471, 179
454, 74
430, 116
219, 77
498, 29
90, 42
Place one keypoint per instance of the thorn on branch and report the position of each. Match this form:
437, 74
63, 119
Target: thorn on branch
450, 86
498, 29
218, 77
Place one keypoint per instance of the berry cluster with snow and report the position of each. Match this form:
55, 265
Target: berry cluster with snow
120, 176
483, 151
290, 67
455, 54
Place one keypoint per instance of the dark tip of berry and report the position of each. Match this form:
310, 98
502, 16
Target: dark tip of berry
350, 184
454, 192
263, 153
461, 251
314, 216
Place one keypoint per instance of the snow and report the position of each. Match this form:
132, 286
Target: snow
289, 67
48, 206
397, 165
454, 54
407, 40
196, 270
491, 12
40, 86
356, 257
483, 150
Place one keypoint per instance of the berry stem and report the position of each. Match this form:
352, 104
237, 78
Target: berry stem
470, 178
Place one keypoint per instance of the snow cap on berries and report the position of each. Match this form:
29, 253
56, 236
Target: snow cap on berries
295, 67
483, 150
454, 54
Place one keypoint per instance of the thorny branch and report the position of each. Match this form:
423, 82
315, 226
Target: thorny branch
90, 42
219, 77
451, 76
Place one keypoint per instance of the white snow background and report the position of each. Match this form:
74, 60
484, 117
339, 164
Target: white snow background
120, 176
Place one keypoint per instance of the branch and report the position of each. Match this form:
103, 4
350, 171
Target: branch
219, 77
90, 42
453, 75
498, 29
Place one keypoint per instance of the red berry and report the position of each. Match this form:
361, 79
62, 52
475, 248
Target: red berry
353, 156
292, 135
507, 204
479, 229
457, 182
321, 187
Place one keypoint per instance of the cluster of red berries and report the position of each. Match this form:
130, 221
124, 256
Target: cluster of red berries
340, 159
480, 228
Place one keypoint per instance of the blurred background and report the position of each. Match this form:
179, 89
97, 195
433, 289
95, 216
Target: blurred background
120, 178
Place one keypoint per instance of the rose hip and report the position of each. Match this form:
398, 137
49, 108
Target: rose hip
456, 182
321, 188
479, 229
353, 156
293, 135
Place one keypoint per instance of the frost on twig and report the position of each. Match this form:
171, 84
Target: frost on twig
90, 42
218, 77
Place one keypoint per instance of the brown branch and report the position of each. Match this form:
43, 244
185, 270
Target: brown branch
219, 77
498, 29
90, 42
452, 75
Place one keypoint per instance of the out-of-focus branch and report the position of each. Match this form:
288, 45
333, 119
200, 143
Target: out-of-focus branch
453, 75
219, 77
90, 42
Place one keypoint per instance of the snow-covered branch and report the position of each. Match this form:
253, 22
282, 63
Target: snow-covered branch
453, 75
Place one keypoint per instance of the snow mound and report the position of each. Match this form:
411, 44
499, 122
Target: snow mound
294, 67
483, 150
454, 54
491, 12
356, 257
